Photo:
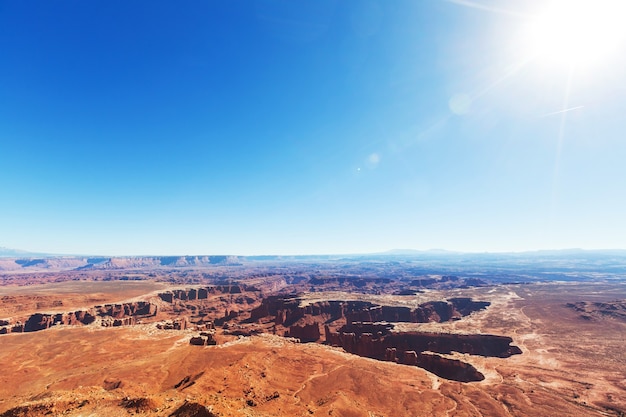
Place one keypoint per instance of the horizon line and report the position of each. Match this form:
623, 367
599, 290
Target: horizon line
390, 252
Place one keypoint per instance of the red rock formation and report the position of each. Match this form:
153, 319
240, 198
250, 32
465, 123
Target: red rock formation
168, 297
288, 311
181, 323
203, 293
452, 369
124, 321
486, 345
437, 311
228, 315
38, 321
189, 409
466, 306
204, 339
176, 324
197, 340
390, 355
306, 333
110, 314
113, 322
139, 308
409, 357
373, 340
74, 318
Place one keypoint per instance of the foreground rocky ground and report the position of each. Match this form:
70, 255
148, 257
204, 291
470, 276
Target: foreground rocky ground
570, 336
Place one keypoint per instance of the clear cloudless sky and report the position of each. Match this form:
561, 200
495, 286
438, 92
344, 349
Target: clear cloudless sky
297, 127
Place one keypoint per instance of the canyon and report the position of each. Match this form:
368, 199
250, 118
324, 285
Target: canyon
292, 338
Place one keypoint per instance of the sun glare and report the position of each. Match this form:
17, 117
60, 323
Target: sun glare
577, 33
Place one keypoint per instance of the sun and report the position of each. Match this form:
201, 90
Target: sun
577, 34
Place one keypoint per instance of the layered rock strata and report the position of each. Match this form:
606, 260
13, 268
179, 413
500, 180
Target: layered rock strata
204, 292
108, 315
305, 321
378, 341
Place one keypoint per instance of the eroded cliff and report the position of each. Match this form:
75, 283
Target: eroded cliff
107, 315
379, 341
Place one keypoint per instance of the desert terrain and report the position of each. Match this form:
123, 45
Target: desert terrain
299, 337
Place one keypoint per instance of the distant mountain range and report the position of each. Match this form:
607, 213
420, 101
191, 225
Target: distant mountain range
410, 252
80, 263
553, 264
17, 253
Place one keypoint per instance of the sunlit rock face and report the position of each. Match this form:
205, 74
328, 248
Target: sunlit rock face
378, 341
108, 315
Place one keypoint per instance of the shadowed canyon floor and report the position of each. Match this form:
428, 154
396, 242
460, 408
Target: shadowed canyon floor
572, 361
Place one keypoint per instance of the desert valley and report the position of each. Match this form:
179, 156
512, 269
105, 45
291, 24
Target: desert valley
345, 336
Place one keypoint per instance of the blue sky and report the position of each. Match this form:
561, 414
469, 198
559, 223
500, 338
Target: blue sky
294, 127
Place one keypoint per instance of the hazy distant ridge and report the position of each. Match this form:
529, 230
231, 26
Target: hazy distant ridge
65, 263
17, 253
13, 260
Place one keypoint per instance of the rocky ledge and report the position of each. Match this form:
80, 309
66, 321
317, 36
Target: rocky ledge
378, 341
108, 315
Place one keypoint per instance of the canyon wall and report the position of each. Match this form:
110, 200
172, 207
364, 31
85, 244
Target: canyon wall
357, 339
108, 315
297, 316
204, 292
378, 341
